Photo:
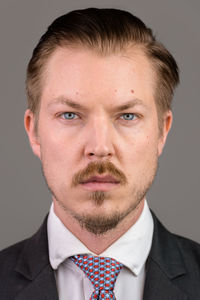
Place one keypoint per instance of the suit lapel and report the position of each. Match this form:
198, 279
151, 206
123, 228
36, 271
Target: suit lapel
33, 265
159, 286
164, 266
42, 287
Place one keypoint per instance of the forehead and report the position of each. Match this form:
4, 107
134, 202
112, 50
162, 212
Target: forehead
92, 78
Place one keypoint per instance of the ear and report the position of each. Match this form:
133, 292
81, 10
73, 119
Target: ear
29, 124
167, 123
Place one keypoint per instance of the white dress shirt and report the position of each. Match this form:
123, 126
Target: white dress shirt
131, 249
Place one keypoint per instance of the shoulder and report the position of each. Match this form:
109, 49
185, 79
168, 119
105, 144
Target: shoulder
9, 257
189, 249
10, 254
190, 255
174, 261
170, 241
8, 276
21, 262
178, 258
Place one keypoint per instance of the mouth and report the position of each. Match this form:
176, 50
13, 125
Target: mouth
100, 183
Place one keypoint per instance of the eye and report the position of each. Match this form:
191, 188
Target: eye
128, 116
69, 116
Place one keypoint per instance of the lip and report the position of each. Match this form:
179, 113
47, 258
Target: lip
101, 179
100, 183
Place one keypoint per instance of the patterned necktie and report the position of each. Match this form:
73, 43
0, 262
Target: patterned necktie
102, 272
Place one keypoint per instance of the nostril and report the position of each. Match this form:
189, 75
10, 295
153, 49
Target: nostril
91, 154
100, 155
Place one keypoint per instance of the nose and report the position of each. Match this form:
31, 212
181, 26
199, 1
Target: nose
99, 142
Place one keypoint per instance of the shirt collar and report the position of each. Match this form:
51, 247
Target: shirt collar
131, 249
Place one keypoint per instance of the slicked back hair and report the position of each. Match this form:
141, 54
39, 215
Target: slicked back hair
105, 31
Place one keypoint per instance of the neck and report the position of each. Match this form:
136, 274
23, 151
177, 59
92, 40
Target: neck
98, 243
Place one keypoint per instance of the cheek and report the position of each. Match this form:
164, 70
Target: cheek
141, 144
56, 156
54, 145
141, 153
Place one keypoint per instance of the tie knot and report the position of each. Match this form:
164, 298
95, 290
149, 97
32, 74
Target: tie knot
102, 271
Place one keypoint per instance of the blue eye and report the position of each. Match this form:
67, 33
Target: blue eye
69, 115
128, 117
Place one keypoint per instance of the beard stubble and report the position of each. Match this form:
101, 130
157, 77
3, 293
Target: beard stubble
100, 224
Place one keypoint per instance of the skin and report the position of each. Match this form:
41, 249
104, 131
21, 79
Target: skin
71, 138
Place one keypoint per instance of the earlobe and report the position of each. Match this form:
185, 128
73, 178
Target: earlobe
29, 124
167, 123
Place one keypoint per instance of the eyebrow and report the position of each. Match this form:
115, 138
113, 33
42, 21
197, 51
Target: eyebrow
66, 101
73, 104
129, 104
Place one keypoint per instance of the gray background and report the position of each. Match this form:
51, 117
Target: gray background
175, 194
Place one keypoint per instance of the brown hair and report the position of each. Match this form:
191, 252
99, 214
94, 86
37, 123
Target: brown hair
106, 31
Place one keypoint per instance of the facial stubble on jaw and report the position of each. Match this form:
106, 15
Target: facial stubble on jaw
100, 224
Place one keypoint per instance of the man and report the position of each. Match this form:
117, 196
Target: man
99, 90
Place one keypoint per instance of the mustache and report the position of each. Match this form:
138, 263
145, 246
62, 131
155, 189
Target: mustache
99, 168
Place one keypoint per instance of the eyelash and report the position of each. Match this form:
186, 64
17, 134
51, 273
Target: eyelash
71, 113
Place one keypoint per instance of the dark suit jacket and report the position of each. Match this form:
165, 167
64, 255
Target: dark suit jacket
173, 268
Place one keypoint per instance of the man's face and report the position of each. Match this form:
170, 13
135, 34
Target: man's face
98, 137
